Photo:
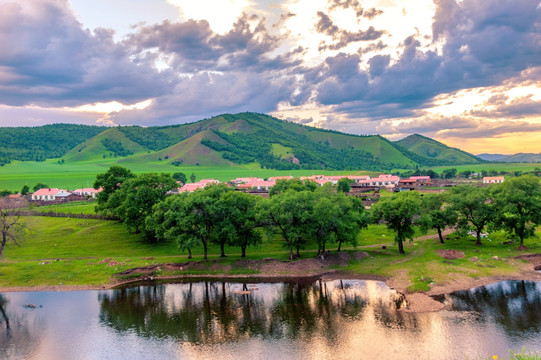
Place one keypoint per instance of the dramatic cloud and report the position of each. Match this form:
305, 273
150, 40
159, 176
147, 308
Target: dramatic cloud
466, 68
48, 59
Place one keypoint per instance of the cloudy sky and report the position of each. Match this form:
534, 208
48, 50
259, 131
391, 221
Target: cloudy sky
466, 72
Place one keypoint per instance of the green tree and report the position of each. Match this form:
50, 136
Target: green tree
25, 190
5, 192
474, 208
239, 219
518, 204
344, 185
110, 182
448, 173
283, 185
191, 219
166, 222
290, 213
40, 186
399, 212
192, 177
435, 214
178, 176
137, 196
337, 218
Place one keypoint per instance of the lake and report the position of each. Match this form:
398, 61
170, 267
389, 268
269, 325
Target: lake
339, 319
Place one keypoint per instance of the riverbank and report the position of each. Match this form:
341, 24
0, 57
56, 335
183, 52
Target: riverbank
65, 254
325, 268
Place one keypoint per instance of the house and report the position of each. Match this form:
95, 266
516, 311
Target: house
388, 181
15, 196
191, 187
90, 192
261, 185
407, 182
245, 180
50, 194
420, 179
493, 179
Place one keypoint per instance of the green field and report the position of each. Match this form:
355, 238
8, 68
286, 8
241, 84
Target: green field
81, 251
71, 176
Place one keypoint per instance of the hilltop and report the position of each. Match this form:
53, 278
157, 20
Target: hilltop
432, 149
515, 158
230, 140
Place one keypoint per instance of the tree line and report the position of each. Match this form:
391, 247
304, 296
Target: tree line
302, 213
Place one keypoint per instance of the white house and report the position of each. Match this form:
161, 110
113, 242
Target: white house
50, 194
493, 179
87, 192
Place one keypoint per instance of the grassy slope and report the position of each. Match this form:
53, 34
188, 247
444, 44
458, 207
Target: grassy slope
430, 148
381, 149
93, 149
189, 152
81, 246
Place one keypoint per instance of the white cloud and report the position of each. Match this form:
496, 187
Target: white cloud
221, 14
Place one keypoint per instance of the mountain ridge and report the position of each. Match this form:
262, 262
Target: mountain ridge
262, 141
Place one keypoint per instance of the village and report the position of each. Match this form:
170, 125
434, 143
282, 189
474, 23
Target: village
360, 185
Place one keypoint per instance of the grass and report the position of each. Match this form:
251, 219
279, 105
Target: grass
85, 251
15, 175
74, 207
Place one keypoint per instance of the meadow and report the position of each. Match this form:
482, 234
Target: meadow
15, 175
69, 251
76, 175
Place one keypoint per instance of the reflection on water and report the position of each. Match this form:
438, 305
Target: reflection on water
513, 305
342, 319
216, 312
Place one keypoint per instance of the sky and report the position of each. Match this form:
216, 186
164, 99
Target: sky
464, 72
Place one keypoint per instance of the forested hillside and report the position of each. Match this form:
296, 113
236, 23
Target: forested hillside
431, 149
42, 142
259, 140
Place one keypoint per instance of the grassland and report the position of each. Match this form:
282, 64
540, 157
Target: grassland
82, 174
72, 251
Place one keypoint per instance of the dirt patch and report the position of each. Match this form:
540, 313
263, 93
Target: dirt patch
450, 254
265, 267
534, 259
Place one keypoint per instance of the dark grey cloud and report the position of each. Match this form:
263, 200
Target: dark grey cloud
485, 42
47, 58
456, 126
205, 94
196, 47
341, 37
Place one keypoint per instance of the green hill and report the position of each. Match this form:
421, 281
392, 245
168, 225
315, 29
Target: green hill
515, 158
111, 143
42, 142
252, 139
432, 149
190, 151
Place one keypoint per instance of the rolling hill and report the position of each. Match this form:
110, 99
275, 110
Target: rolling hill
261, 141
432, 149
515, 158
111, 143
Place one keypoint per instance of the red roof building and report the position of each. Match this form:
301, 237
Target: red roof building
493, 179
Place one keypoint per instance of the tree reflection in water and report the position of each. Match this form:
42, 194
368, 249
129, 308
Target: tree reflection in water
19, 336
515, 305
214, 312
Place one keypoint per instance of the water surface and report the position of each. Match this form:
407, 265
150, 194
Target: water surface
342, 319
